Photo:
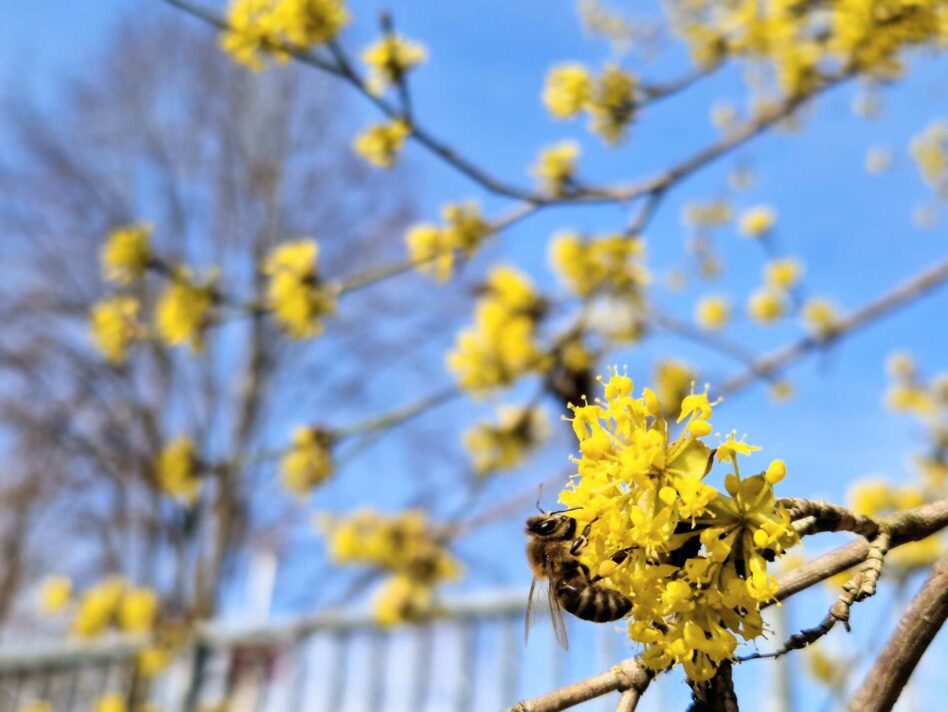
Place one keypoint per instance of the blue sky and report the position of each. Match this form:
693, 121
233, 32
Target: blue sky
480, 92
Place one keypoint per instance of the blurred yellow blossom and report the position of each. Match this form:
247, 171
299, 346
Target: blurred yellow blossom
820, 315
55, 594
765, 306
278, 26
878, 160
556, 166
176, 470
114, 325
138, 610
712, 312
930, 152
435, 249
504, 445
297, 296
127, 253
568, 88
111, 702
783, 273
308, 462
610, 263
380, 143
402, 599
390, 59
712, 213
98, 607
183, 311
757, 221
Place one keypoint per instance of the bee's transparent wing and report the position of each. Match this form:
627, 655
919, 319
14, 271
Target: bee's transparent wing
535, 586
556, 617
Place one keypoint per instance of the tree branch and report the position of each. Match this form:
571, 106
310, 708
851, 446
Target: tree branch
630, 674
902, 653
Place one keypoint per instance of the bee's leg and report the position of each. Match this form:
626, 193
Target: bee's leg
618, 558
579, 543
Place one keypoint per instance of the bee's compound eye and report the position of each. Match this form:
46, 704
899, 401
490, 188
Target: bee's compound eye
546, 527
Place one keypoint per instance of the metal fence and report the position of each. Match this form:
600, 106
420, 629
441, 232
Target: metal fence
472, 658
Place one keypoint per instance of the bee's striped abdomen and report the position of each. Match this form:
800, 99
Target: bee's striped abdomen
593, 603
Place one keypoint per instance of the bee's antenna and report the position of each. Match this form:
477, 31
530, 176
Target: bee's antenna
564, 511
539, 497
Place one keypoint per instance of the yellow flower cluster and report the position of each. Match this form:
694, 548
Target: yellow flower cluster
821, 316
802, 41
434, 249
556, 166
406, 546
111, 702
930, 152
277, 26
501, 345
696, 565
114, 325
608, 100
298, 298
505, 444
55, 594
389, 60
767, 305
757, 221
672, 381
113, 602
910, 394
184, 309
127, 253
176, 470
609, 264
783, 273
380, 143
713, 312
712, 213
308, 462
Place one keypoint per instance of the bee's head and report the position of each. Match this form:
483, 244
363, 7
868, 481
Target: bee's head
550, 526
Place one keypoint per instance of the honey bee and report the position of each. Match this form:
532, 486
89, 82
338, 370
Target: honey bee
552, 551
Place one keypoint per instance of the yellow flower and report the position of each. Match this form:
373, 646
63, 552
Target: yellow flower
380, 143
177, 470
183, 311
111, 702
568, 88
390, 59
127, 253
504, 445
114, 325
707, 214
556, 166
611, 104
781, 391
402, 600
98, 607
276, 26
295, 293
611, 264
138, 610
757, 221
930, 152
55, 594
878, 160
434, 249
154, 659
500, 346
901, 365
712, 312
672, 381
308, 462
723, 116
821, 316
783, 273
765, 306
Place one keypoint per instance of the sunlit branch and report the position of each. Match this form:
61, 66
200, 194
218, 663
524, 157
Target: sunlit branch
920, 623
901, 295
628, 675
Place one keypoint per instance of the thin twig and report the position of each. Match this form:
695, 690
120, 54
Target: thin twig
901, 295
627, 675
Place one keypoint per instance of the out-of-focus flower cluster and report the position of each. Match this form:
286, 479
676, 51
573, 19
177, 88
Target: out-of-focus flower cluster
435, 248
696, 570
407, 547
609, 100
802, 42
272, 27
501, 346
506, 443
